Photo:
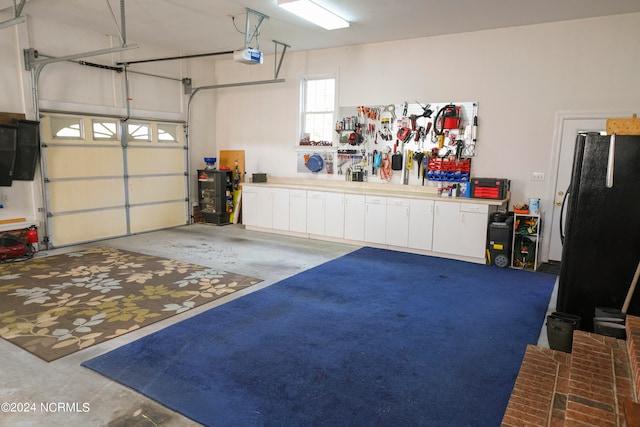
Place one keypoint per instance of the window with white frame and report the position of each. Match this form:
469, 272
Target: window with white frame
105, 129
138, 131
67, 127
318, 107
167, 132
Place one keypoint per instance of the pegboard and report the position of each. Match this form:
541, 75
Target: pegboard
379, 125
445, 130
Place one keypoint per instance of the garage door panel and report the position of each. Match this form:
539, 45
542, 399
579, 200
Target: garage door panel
88, 226
86, 162
79, 195
148, 161
96, 188
156, 189
153, 217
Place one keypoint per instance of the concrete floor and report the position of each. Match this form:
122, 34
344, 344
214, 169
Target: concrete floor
27, 379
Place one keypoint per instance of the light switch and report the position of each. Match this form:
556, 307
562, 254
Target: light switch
537, 176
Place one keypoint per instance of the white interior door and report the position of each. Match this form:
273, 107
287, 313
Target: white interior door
570, 130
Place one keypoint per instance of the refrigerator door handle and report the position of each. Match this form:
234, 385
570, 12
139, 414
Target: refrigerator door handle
562, 217
610, 161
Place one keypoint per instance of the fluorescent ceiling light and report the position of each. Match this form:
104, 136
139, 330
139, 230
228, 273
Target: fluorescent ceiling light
312, 12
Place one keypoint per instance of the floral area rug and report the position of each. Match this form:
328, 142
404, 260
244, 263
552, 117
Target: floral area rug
56, 305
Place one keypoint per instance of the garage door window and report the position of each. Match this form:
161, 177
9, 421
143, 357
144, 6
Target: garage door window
105, 130
139, 131
67, 127
167, 132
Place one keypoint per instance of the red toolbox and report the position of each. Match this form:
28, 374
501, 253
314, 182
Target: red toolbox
490, 188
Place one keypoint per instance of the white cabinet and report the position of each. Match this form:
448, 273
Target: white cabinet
445, 227
334, 215
298, 211
474, 219
375, 219
280, 208
250, 206
397, 227
460, 228
456, 227
316, 212
265, 207
420, 224
257, 207
354, 217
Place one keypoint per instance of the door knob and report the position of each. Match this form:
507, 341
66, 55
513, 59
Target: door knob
560, 193
558, 203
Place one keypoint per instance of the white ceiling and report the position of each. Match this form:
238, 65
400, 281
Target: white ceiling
202, 26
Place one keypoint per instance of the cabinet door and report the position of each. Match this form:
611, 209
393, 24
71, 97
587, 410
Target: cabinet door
334, 215
375, 219
250, 206
446, 220
315, 212
397, 233
473, 231
265, 208
474, 219
298, 211
420, 224
280, 202
354, 217
257, 207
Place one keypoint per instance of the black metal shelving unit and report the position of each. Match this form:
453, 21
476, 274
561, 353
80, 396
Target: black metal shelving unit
215, 195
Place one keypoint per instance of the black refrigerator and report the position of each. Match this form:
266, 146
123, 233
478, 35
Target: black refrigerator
601, 244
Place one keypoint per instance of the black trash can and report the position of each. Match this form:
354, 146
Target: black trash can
610, 327
569, 316
560, 327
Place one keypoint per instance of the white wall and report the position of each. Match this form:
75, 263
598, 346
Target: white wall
521, 77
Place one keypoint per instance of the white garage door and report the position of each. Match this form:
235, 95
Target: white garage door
97, 186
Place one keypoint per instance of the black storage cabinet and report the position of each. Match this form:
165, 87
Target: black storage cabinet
499, 239
215, 194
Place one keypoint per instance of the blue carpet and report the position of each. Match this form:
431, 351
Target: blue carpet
373, 338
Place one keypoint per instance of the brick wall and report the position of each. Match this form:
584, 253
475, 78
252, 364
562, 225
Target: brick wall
590, 387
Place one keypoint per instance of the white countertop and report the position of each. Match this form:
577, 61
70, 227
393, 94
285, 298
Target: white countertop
369, 188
